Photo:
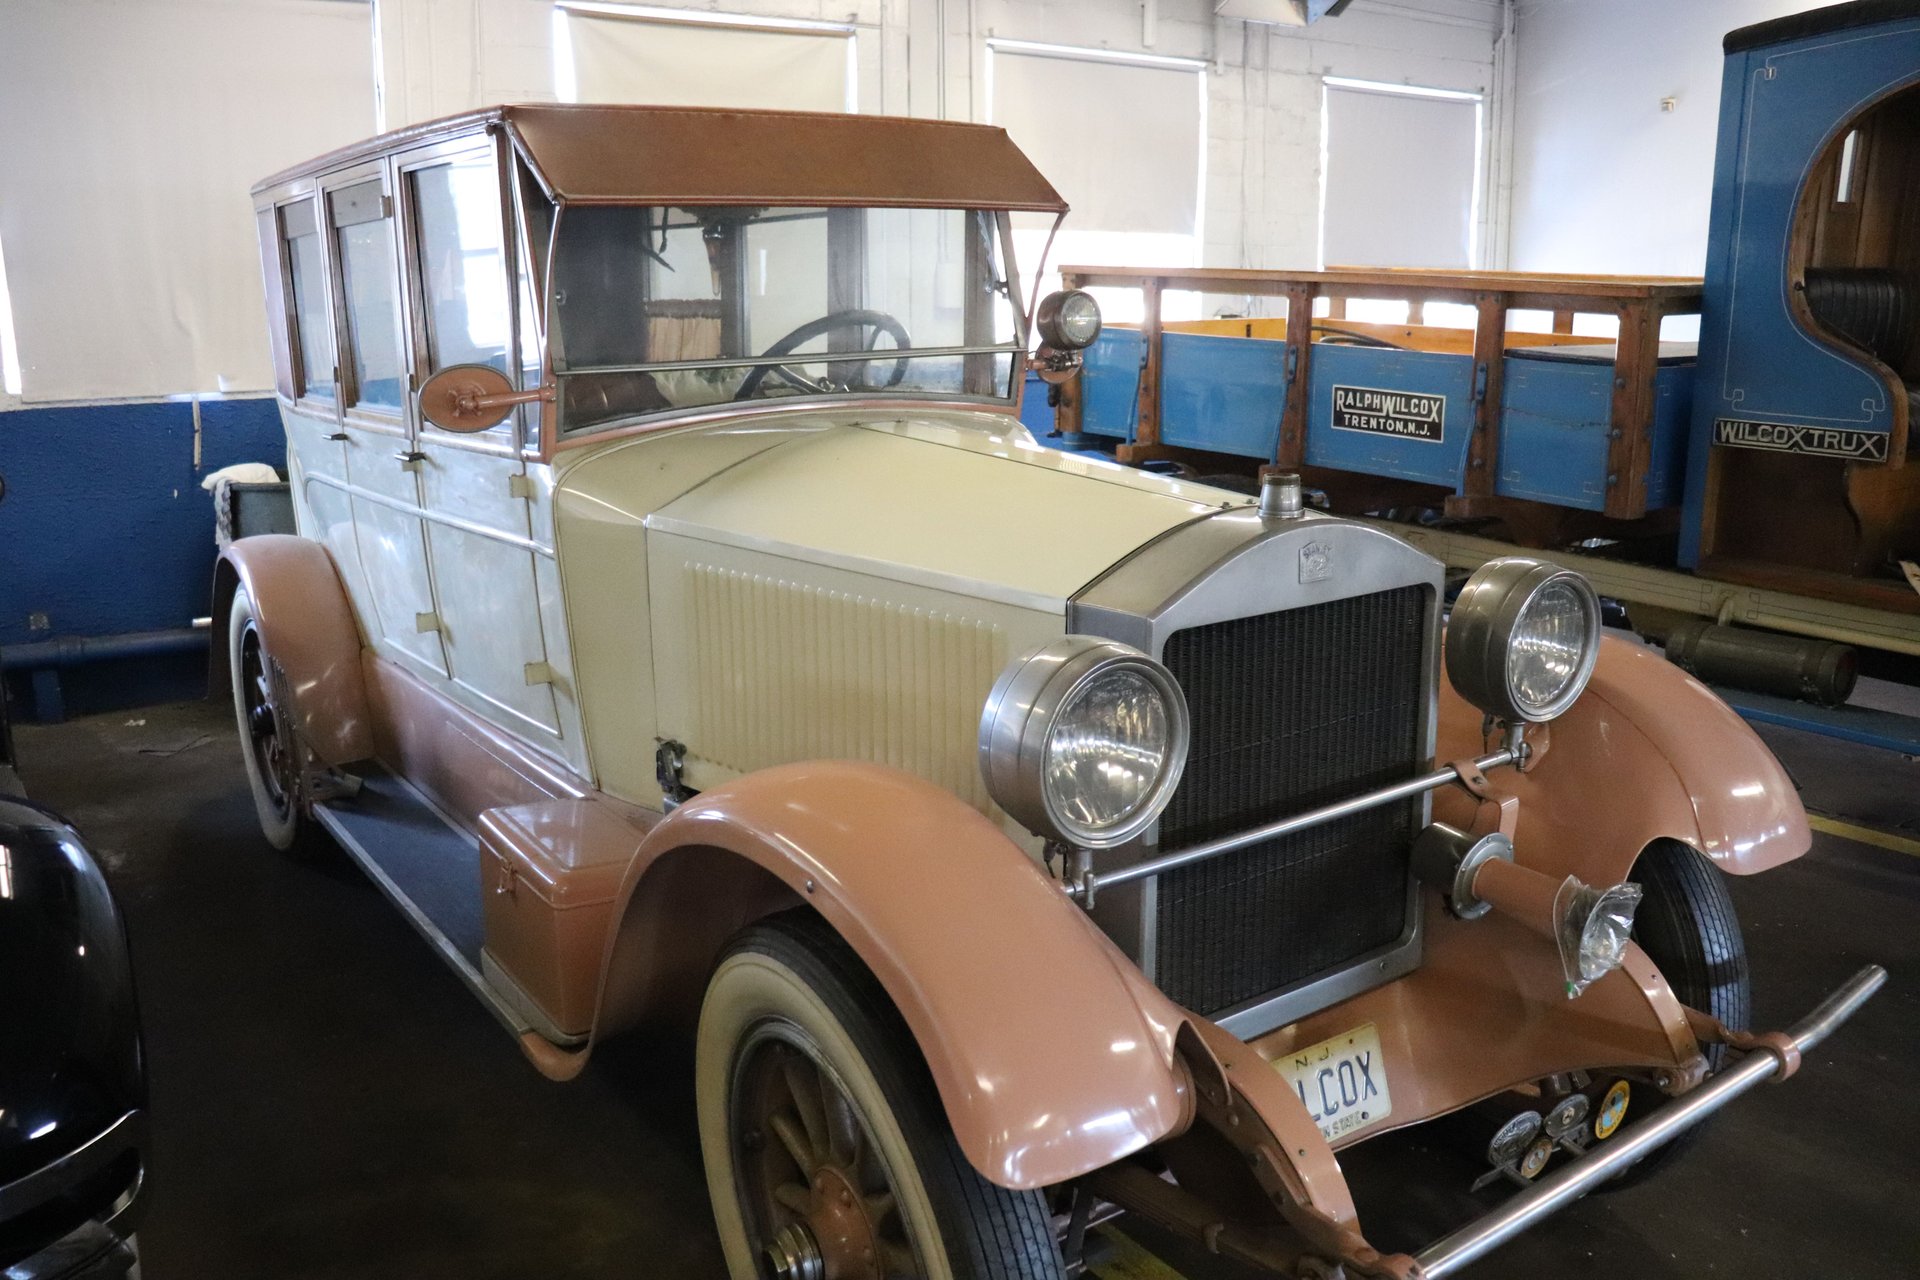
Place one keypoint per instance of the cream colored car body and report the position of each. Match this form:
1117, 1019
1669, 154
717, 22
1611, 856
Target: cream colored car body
766, 589
828, 586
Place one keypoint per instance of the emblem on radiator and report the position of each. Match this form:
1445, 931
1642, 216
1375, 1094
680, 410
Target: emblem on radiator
1316, 562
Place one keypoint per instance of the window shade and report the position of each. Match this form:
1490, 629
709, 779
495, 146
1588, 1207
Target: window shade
129, 233
688, 65
1399, 180
1119, 140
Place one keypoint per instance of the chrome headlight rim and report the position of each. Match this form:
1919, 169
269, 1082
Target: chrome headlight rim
1024, 709
1485, 624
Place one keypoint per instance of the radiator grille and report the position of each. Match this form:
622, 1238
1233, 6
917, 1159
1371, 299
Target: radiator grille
1291, 710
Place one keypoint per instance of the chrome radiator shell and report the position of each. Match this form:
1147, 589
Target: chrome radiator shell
1227, 568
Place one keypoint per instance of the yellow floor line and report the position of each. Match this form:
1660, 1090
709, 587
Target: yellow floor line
1864, 835
1130, 1261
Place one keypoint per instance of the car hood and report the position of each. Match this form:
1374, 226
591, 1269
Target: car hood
986, 512
70, 1062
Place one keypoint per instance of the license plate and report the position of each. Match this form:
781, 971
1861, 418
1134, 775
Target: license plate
1342, 1081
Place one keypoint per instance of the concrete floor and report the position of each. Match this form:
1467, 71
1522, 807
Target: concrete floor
330, 1102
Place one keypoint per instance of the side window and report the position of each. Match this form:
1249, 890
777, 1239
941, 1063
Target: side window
463, 275
313, 335
363, 230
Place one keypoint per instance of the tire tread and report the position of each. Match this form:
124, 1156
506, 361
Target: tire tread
1687, 926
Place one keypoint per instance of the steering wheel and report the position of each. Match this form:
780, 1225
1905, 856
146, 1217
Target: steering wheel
854, 318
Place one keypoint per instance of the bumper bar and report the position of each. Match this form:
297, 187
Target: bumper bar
1449, 1254
1083, 886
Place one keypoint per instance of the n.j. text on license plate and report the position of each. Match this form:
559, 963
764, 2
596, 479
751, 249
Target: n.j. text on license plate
1342, 1081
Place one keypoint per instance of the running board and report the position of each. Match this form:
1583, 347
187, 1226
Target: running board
428, 866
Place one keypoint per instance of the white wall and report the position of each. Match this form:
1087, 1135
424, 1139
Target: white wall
133, 131
925, 57
1604, 179
916, 57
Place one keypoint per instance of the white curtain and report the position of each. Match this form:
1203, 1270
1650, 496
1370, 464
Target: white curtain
132, 133
686, 64
1120, 141
1399, 180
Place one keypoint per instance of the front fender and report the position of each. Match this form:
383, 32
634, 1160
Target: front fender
1052, 1054
1647, 752
300, 607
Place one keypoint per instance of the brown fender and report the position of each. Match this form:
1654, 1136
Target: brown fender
301, 608
1052, 1054
1647, 752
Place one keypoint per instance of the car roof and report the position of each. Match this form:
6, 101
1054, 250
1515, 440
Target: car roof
592, 154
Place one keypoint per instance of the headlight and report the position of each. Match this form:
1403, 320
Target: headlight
1084, 741
1068, 319
1523, 639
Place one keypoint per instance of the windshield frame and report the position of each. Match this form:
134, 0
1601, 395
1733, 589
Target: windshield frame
539, 232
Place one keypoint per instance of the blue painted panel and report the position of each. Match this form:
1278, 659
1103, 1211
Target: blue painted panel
1222, 393
1035, 413
1779, 108
104, 527
1556, 416
1419, 372
1038, 417
1864, 725
1110, 383
1672, 419
241, 431
1554, 423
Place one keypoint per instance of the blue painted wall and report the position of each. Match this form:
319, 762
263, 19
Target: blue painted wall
104, 527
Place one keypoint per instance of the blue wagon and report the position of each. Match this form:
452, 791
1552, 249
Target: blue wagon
1760, 477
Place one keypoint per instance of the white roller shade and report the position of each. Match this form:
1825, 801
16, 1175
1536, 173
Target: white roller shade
1399, 180
133, 133
1121, 141
687, 64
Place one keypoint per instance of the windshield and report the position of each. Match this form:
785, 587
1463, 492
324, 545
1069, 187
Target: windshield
658, 309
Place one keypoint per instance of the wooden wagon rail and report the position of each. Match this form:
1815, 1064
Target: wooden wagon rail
1639, 303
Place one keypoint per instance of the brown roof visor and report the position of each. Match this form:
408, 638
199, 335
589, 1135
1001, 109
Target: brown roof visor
589, 154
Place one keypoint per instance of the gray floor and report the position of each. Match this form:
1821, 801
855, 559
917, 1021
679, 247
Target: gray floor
329, 1102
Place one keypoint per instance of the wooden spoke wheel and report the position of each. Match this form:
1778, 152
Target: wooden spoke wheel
828, 1154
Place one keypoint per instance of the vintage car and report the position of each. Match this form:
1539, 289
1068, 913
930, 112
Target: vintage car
682, 627
73, 1090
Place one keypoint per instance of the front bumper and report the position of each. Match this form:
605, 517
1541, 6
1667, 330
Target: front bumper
1246, 1117
1447, 1255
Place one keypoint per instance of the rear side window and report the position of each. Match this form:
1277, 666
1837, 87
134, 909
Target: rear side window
463, 271
363, 227
300, 226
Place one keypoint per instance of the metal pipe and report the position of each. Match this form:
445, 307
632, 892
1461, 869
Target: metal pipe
1447, 1255
1817, 671
1087, 886
75, 650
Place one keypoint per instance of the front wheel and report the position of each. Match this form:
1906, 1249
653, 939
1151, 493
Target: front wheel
827, 1152
1687, 926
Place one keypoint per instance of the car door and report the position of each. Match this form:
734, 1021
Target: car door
382, 460
485, 547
